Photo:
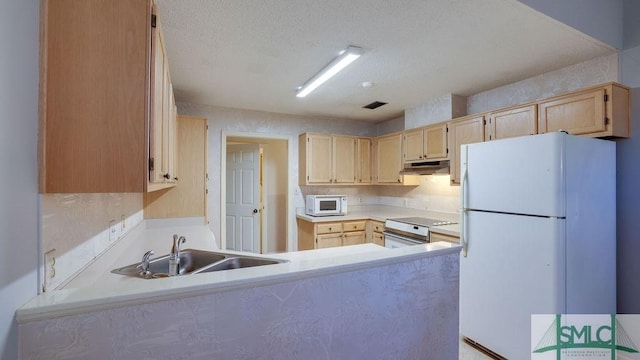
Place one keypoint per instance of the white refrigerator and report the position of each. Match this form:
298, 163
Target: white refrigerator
538, 234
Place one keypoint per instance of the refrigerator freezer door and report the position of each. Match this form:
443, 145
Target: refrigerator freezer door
514, 268
522, 175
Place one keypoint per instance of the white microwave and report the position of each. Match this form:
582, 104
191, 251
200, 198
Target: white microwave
325, 205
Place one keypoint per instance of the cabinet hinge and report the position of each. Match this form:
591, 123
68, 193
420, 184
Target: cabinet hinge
606, 121
207, 127
153, 20
151, 164
447, 150
484, 122
447, 129
606, 97
307, 177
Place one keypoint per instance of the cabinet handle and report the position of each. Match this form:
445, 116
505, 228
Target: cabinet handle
329, 229
399, 180
420, 156
167, 176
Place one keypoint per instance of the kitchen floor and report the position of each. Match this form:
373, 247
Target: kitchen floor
469, 353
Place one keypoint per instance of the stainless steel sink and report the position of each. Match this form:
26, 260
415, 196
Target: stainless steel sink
238, 262
194, 262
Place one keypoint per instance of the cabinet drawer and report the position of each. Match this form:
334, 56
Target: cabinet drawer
354, 225
329, 228
377, 226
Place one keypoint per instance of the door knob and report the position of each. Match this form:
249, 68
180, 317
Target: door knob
255, 211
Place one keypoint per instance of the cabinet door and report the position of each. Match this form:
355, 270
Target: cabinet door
94, 96
578, 114
319, 158
158, 106
512, 122
389, 159
464, 131
378, 239
364, 174
413, 145
435, 142
328, 240
344, 157
353, 238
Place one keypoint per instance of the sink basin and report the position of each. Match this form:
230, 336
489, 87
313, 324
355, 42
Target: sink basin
238, 263
194, 262
190, 260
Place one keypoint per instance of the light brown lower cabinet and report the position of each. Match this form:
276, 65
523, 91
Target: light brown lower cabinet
330, 234
436, 236
375, 231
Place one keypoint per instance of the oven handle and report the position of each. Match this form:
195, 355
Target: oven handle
394, 236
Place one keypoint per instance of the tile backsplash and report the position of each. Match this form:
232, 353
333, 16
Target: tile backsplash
77, 227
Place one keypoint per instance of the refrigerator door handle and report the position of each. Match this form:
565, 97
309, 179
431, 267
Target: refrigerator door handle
463, 202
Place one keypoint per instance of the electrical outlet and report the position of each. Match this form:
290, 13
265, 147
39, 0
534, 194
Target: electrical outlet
113, 230
49, 268
123, 224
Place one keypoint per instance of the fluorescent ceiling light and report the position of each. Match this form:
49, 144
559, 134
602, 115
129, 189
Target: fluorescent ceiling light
345, 58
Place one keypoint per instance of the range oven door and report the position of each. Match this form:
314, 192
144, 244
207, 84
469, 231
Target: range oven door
392, 240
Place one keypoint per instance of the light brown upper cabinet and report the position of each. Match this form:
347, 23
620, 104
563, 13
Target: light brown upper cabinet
388, 158
188, 198
427, 143
364, 161
163, 120
512, 122
97, 95
600, 111
465, 130
326, 159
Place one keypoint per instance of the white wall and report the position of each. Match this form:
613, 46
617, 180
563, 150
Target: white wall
235, 120
629, 171
19, 35
597, 18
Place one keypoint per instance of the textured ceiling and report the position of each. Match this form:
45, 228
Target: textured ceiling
253, 54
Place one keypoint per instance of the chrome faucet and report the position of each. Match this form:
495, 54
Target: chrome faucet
174, 256
144, 265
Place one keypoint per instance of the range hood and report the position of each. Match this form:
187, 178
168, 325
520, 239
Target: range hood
426, 168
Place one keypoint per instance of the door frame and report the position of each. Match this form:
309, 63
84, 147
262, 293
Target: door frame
290, 241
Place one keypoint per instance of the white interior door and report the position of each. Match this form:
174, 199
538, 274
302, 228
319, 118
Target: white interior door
243, 197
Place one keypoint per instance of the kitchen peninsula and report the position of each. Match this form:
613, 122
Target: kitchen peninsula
324, 303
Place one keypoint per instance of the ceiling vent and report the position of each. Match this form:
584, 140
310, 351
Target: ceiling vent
374, 105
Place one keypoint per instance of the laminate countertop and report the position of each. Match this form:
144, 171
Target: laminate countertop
96, 288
